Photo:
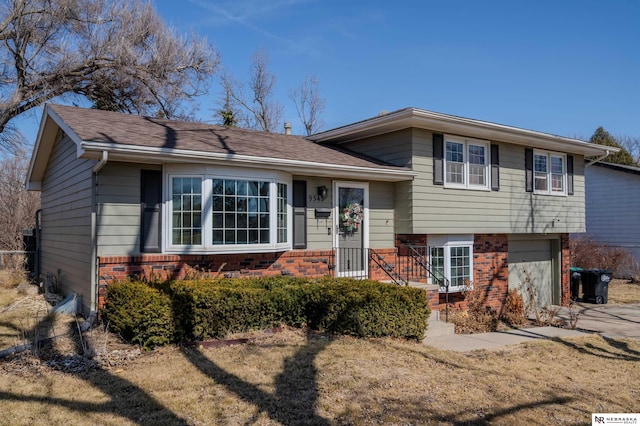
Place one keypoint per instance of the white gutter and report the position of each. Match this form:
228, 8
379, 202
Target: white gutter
595, 160
141, 153
100, 164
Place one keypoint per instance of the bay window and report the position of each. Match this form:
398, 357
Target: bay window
466, 163
218, 213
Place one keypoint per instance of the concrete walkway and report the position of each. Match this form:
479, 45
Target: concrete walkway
498, 339
608, 320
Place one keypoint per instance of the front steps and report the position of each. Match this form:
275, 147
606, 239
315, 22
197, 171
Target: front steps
437, 328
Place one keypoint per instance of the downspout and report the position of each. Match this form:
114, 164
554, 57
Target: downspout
95, 279
36, 261
602, 157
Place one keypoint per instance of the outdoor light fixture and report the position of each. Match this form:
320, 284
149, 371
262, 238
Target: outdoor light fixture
322, 192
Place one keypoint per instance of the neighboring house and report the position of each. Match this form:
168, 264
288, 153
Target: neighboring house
613, 206
411, 195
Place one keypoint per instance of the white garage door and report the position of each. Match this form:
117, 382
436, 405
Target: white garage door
531, 262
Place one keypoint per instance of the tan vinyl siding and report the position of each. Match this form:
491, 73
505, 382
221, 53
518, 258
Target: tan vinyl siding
381, 215
423, 208
394, 147
118, 225
66, 220
318, 237
437, 209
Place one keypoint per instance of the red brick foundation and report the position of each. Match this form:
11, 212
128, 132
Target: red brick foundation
490, 269
303, 263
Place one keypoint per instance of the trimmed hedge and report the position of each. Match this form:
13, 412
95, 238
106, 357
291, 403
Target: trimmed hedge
205, 309
140, 313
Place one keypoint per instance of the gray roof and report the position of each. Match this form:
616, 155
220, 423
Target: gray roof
114, 128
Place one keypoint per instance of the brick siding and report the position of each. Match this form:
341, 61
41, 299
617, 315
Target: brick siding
303, 263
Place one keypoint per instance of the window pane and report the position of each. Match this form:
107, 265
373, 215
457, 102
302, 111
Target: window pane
557, 183
436, 257
455, 152
186, 211
455, 173
541, 181
477, 174
241, 187
556, 165
217, 237
540, 163
460, 263
218, 203
230, 187
557, 174
218, 186
477, 154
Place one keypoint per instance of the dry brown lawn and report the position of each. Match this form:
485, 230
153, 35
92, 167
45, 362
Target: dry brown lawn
293, 377
624, 291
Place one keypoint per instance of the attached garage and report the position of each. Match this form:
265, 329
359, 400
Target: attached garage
535, 261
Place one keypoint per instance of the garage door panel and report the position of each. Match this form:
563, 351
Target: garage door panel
530, 263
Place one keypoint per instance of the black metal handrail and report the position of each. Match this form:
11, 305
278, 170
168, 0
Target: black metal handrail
418, 255
388, 268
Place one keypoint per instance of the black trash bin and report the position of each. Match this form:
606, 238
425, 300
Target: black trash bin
576, 276
595, 285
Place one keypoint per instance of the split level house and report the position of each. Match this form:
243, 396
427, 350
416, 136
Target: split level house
412, 196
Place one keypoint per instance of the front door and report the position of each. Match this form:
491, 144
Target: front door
351, 202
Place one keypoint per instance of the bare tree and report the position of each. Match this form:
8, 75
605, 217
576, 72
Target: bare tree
309, 104
631, 144
117, 53
17, 205
263, 112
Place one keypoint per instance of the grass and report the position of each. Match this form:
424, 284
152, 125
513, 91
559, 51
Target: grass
293, 377
624, 292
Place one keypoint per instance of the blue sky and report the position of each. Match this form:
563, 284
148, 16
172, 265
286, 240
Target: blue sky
563, 67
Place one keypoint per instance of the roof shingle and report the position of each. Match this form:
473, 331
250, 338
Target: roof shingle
117, 128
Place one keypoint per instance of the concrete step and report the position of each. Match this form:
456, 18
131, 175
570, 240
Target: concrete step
437, 328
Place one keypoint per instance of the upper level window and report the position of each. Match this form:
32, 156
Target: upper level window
549, 173
466, 163
217, 212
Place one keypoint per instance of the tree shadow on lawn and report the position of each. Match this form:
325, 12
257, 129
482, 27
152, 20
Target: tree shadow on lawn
617, 349
296, 395
126, 399
416, 411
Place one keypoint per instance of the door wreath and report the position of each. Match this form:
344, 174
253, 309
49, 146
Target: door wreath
351, 217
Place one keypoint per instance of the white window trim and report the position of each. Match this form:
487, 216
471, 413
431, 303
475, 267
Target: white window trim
487, 166
549, 191
207, 174
447, 242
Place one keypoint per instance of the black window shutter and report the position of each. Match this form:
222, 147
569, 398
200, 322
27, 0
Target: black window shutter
528, 168
151, 207
570, 174
495, 168
438, 159
299, 214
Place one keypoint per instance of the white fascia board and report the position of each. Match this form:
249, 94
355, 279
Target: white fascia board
411, 117
44, 143
145, 154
